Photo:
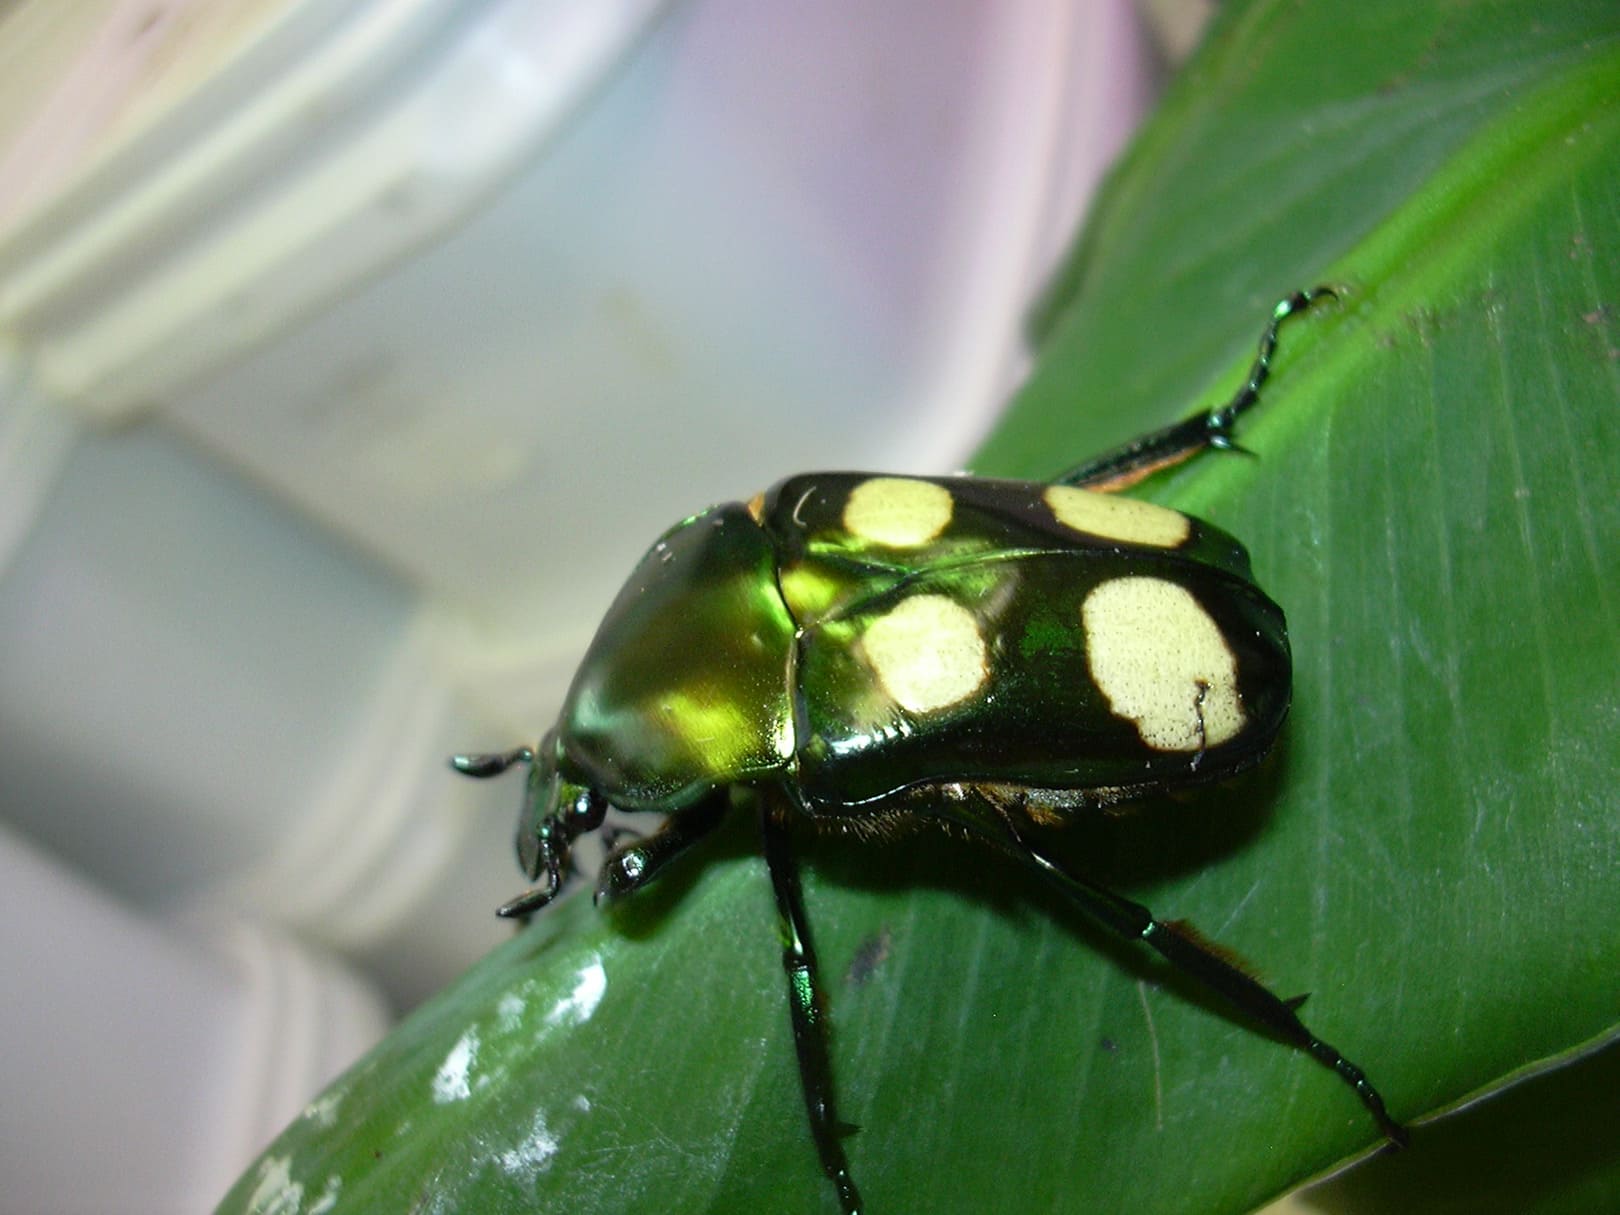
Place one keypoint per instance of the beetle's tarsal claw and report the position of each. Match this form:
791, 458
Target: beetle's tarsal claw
1225, 443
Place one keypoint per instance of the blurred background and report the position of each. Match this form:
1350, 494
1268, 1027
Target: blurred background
350, 354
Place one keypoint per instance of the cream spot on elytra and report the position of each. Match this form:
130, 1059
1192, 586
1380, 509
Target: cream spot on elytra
1162, 663
1116, 518
898, 512
926, 653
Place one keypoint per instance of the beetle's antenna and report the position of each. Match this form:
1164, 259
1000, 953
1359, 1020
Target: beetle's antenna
491, 763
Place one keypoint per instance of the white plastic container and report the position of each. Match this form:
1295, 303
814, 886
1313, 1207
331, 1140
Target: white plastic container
350, 353
143, 1076
653, 263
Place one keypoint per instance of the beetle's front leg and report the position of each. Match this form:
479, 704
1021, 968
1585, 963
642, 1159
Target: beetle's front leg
805, 1005
555, 813
630, 866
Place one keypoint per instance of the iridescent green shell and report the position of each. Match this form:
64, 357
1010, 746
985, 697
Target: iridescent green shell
879, 642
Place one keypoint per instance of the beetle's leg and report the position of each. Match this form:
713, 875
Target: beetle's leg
549, 845
806, 1008
552, 847
1191, 955
632, 865
1179, 441
552, 858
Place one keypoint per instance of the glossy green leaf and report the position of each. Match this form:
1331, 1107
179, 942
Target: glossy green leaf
1435, 500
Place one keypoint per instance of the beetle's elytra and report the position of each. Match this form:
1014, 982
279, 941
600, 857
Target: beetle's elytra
853, 650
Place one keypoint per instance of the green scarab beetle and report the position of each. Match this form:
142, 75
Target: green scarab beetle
852, 650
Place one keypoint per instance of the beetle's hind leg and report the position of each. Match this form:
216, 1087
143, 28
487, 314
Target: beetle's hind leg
805, 1005
1209, 965
1126, 465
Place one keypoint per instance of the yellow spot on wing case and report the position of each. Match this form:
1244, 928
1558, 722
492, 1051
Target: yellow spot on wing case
1162, 663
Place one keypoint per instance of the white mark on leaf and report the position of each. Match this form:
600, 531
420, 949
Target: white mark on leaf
578, 1005
452, 1081
277, 1193
510, 1011
327, 1199
323, 1110
1158, 1071
534, 1154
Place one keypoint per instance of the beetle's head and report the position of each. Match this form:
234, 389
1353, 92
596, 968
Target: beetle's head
557, 810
